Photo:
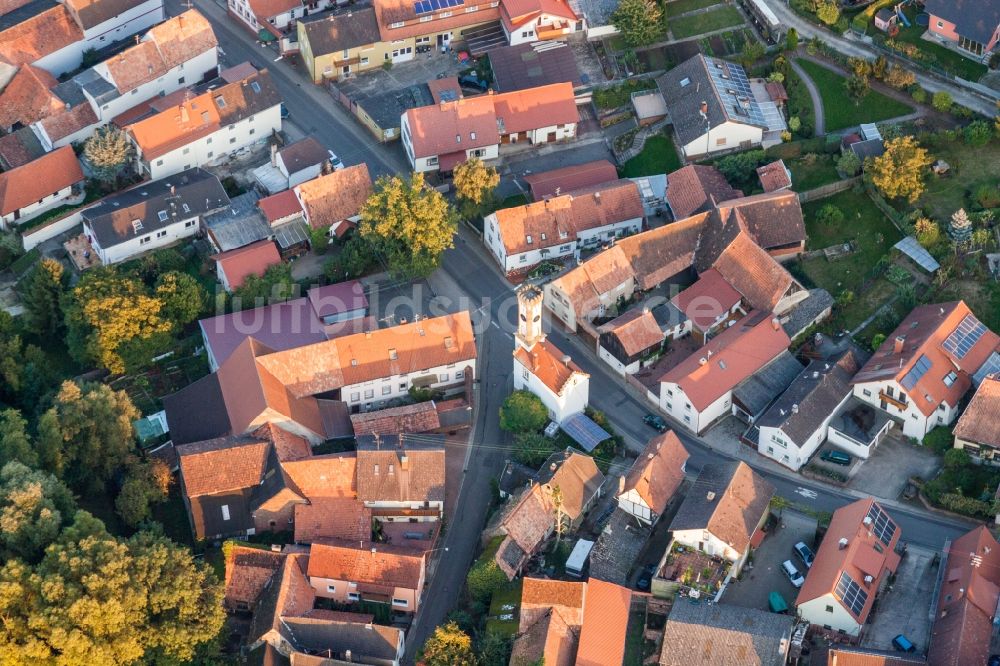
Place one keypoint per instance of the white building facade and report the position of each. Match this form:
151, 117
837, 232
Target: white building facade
890, 397
181, 229
375, 394
674, 402
99, 33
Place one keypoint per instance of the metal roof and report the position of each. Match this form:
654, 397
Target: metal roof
915, 251
584, 431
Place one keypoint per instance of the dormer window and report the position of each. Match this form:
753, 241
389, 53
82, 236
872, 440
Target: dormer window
528, 240
354, 362
255, 86
392, 355
685, 82
391, 470
220, 101
458, 138
136, 225
472, 135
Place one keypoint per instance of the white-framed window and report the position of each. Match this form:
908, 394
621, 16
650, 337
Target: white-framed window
426, 19
397, 24
386, 390
355, 396
190, 223
210, 153
940, 24
866, 393
444, 14
460, 374
252, 130
524, 259
400, 602
161, 233
225, 512
402, 386
353, 596
159, 162
473, 8
432, 161
369, 394
364, 60
331, 588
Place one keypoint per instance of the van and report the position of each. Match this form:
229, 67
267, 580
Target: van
793, 574
805, 554
836, 457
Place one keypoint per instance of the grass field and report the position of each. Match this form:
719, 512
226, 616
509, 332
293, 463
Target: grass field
838, 109
505, 602
657, 156
699, 24
873, 233
678, 7
812, 171
970, 168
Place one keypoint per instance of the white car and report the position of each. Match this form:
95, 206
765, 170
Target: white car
335, 161
793, 574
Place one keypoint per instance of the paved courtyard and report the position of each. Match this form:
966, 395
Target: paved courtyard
905, 609
766, 575
885, 474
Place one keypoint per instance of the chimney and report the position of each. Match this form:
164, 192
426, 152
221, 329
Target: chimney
404, 462
897, 345
553, 467
868, 580
274, 154
621, 484
795, 409
173, 190
565, 359
815, 374
842, 544
326, 168
373, 550
702, 361
710, 495
597, 197
775, 323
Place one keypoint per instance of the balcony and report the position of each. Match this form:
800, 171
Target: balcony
895, 402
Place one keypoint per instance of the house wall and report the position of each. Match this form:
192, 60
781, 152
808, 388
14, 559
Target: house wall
64, 60
134, 20
631, 503
342, 590
277, 418
155, 239
985, 452
375, 393
708, 543
330, 66
826, 611
915, 423
529, 32
572, 401
732, 135
403, 507
559, 304
227, 140
679, 407
943, 28
771, 440
853, 447
35, 208
241, 10
185, 74
279, 510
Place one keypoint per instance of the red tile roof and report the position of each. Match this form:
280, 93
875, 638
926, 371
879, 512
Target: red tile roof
389, 13
559, 220
41, 35
605, 624
28, 97
923, 334
774, 176
374, 563
979, 422
707, 299
61, 125
750, 270
567, 179
241, 263
658, 471
248, 571
773, 219
533, 108
336, 196
730, 357
266, 9
696, 188
324, 477
279, 206
38, 179
636, 331
332, 518
858, 559
448, 86
223, 464
546, 362
420, 417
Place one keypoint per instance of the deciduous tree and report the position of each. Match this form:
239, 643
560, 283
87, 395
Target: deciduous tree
107, 151
475, 182
751, 53
42, 291
182, 298
86, 435
34, 507
15, 445
942, 101
791, 39
275, 286
857, 88
900, 171
146, 484
532, 448
408, 224
523, 411
638, 21
448, 646
828, 11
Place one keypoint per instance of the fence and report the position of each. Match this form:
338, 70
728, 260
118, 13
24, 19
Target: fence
824, 191
51, 229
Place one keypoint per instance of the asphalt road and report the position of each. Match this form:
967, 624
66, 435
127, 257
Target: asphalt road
313, 111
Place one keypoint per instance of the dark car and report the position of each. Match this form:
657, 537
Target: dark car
655, 421
836, 457
994, 660
471, 81
284, 110
646, 577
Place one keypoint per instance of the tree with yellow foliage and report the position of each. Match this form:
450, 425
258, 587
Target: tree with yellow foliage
448, 646
900, 171
408, 225
474, 186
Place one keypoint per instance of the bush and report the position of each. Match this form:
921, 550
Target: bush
484, 579
978, 133
987, 196
533, 449
918, 94
942, 101
966, 505
877, 341
829, 215
849, 163
741, 168
523, 411
939, 440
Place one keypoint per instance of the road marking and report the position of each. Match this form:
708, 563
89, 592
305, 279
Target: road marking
805, 492
495, 324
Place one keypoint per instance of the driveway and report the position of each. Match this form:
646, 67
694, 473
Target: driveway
905, 609
766, 576
885, 474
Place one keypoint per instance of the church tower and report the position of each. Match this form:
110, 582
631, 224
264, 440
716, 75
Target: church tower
529, 316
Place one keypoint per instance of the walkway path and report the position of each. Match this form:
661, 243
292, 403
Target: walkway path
817, 100
851, 47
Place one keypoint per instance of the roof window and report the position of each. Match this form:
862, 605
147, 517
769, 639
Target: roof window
458, 138
354, 362
528, 239
472, 135
221, 101
136, 225
162, 214
393, 355
448, 342
685, 82
255, 86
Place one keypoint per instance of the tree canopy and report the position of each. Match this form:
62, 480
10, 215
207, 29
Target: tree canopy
15, 445
523, 411
639, 21
475, 182
107, 151
900, 171
34, 508
448, 646
274, 286
43, 289
408, 224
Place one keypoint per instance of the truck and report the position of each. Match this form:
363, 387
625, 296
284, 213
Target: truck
578, 558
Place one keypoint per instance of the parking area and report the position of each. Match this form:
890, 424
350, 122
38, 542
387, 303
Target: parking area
885, 474
423, 68
766, 576
905, 609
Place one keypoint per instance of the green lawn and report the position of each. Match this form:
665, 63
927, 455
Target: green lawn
874, 235
678, 7
505, 602
938, 55
699, 24
635, 651
800, 104
970, 168
839, 111
812, 171
657, 156
613, 97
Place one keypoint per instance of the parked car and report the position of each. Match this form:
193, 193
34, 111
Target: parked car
994, 660
836, 457
655, 421
805, 554
335, 161
473, 81
284, 111
777, 603
793, 574
902, 643
646, 577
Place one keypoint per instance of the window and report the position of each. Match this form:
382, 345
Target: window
400, 602
950, 378
331, 588
397, 24
524, 374
721, 141
210, 153
460, 374
444, 14
220, 101
426, 19
473, 8
347, 53
353, 596
364, 60
423, 40
162, 215
369, 394
208, 141
866, 393
159, 162
225, 512
144, 240
528, 239
402, 386
355, 396
432, 161
386, 390
232, 127
189, 224
180, 80
770, 449
232, 140
687, 419
670, 393
524, 259
670, 406
134, 91
161, 233
829, 609
252, 130
940, 24
444, 377
687, 407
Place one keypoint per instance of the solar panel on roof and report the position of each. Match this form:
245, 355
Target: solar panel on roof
584, 431
991, 366
851, 594
918, 370
964, 337
882, 526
